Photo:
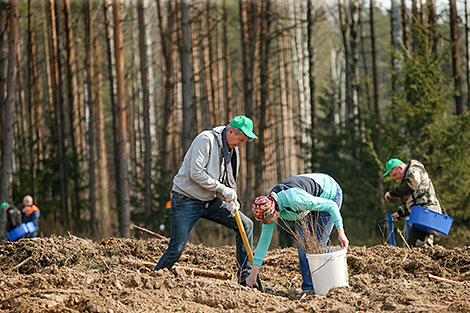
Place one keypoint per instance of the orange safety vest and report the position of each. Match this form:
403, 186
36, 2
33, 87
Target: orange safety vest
31, 209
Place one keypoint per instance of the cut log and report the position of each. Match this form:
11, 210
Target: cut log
203, 273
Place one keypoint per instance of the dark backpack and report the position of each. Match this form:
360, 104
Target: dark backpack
13, 218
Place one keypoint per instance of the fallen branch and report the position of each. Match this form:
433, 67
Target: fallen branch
15, 296
403, 238
148, 231
187, 270
203, 273
21, 264
442, 280
102, 260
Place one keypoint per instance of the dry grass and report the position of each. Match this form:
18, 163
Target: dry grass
304, 230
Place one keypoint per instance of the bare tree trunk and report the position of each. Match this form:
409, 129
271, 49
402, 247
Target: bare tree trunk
311, 80
377, 137
374, 61
72, 86
21, 118
189, 116
264, 42
168, 99
355, 83
36, 107
414, 22
91, 117
343, 20
121, 121
198, 80
228, 71
212, 64
455, 42
4, 194
146, 109
404, 26
206, 65
467, 55
31, 106
248, 49
114, 107
220, 67
393, 59
284, 160
59, 114
7, 131
432, 22
103, 211
364, 61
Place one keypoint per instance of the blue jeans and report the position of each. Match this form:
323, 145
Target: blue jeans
322, 225
186, 211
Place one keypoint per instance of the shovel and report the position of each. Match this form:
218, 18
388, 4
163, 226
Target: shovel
243, 234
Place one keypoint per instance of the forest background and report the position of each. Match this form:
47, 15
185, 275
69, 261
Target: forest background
100, 100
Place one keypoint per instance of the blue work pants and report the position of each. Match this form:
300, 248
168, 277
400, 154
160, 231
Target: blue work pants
184, 214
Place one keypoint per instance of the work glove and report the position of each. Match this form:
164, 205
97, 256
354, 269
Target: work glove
233, 206
229, 194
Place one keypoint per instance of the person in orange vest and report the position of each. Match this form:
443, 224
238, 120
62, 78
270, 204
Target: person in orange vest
31, 213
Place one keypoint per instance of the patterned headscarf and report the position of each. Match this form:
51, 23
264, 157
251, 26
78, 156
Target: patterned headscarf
263, 209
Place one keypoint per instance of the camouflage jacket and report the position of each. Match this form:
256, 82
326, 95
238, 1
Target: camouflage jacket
416, 189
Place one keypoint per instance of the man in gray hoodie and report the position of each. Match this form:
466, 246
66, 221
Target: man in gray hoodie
206, 187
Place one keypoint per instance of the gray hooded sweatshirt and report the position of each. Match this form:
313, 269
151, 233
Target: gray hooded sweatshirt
199, 175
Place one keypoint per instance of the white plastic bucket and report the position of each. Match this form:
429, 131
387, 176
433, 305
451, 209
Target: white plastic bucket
328, 269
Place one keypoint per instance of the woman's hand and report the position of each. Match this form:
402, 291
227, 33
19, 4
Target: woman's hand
343, 240
251, 279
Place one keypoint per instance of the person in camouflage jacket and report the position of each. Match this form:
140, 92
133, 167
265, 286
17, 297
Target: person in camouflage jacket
416, 189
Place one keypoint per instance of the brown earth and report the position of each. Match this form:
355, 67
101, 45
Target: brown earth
72, 274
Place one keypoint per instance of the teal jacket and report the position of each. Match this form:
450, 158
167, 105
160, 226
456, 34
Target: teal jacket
296, 197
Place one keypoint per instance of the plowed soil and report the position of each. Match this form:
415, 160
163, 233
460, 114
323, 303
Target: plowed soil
72, 274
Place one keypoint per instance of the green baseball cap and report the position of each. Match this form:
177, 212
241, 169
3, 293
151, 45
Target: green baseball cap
4, 205
391, 164
245, 125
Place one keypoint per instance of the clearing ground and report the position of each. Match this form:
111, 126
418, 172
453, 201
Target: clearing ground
73, 274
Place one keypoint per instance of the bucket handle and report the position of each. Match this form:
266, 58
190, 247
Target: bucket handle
318, 268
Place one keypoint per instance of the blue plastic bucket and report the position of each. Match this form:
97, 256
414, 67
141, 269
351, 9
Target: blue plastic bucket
22, 230
430, 221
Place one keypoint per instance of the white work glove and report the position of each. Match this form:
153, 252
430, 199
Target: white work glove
233, 206
229, 194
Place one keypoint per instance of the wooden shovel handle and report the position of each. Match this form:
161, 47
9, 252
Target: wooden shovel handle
243, 234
